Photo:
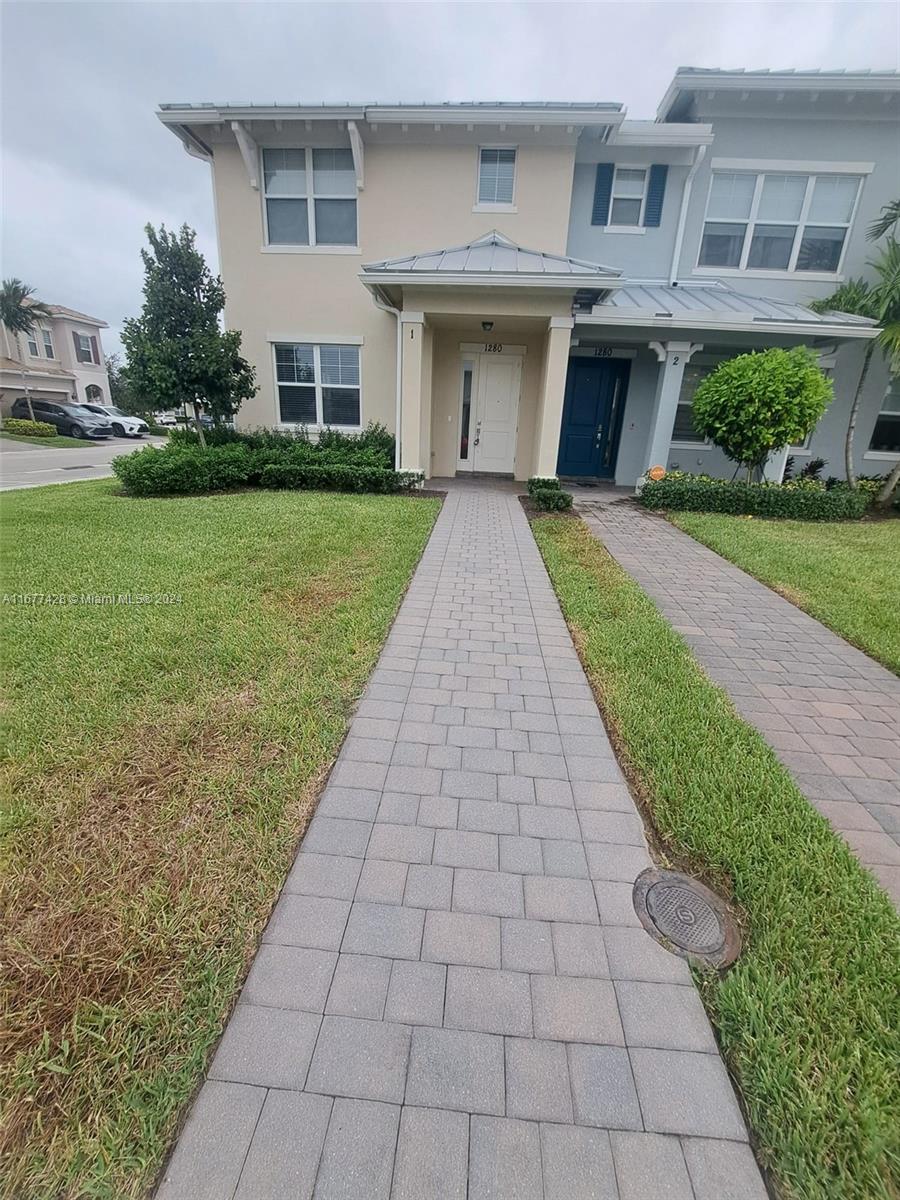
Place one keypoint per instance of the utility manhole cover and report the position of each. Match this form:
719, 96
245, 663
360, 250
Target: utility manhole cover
683, 915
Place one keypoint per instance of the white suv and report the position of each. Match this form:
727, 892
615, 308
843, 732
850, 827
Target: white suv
123, 425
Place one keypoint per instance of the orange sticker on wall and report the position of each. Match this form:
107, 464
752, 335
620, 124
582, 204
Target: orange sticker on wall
656, 473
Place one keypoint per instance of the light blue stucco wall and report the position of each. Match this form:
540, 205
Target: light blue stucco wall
745, 130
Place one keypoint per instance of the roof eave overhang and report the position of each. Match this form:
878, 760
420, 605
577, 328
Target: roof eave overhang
647, 320
731, 81
462, 114
682, 136
546, 283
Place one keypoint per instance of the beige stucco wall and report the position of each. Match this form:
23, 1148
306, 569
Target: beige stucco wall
416, 197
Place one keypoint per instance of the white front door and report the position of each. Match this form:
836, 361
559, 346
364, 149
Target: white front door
489, 412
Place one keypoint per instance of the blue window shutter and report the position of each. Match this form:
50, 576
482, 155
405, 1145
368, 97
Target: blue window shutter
656, 190
602, 194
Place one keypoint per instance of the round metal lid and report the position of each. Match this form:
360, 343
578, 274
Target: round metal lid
685, 917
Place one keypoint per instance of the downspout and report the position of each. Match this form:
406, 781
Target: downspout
398, 411
682, 216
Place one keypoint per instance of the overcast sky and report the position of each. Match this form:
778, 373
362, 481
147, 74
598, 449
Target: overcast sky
86, 163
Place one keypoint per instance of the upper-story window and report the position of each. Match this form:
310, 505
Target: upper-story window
629, 192
496, 175
86, 348
48, 343
777, 222
310, 197
33, 346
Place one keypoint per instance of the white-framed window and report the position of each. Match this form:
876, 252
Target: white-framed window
309, 197
684, 431
885, 437
317, 384
48, 343
84, 349
496, 175
33, 346
763, 221
629, 195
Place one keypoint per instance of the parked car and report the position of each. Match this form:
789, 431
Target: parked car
168, 419
73, 420
123, 424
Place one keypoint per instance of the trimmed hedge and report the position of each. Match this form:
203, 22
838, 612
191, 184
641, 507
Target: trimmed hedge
375, 443
551, 499
25, 428
802, 500
180, 470
542, 483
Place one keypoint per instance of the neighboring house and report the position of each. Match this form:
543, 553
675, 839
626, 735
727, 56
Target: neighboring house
62, 360
526, 289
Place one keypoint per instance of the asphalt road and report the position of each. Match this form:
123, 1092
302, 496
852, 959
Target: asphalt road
25, 465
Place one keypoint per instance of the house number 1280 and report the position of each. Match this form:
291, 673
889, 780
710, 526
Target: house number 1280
493, 347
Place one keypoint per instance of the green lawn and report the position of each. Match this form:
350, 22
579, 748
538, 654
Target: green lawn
808, 1017
162, 759
845, 574
57, 440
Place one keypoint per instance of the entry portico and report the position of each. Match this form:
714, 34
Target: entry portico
517, 362
483, 350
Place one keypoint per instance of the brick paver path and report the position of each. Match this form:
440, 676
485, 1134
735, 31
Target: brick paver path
453, 997
829, 712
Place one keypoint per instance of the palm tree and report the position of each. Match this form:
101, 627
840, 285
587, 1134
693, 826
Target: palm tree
880, 302
20, 314
890, 216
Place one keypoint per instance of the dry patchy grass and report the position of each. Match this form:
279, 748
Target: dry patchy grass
161, 763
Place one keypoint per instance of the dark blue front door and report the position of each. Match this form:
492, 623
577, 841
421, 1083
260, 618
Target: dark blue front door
592, 416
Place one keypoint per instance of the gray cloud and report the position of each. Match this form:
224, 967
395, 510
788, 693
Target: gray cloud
86, 163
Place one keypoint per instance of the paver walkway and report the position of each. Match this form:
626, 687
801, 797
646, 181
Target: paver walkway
830, 713
453, 997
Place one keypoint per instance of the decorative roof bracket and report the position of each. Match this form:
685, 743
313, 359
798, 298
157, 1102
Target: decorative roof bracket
249, 152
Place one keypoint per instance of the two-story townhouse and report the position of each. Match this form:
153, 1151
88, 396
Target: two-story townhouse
513, 288
62, 360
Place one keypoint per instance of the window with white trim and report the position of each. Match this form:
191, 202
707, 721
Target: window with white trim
310, 197
777, 222
317, 384
33, 346
48, 343
885, 437
684, 430
629, 195
84, 351
496, 174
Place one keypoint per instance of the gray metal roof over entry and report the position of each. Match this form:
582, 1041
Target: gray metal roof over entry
494, 255
713, 304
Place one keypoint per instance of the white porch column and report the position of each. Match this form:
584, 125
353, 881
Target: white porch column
412, 343
673, 357
550, 401
775, 464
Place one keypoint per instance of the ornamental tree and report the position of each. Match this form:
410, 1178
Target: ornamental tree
177, 350
755, 404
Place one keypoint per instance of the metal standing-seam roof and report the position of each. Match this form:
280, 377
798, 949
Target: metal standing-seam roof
493, 255
714, 303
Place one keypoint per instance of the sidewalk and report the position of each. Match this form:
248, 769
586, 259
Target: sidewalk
453, 997
830, 713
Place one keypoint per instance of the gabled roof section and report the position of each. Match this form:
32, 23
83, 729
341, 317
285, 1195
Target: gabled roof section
714, 305
72, 314
491, 259
689, 79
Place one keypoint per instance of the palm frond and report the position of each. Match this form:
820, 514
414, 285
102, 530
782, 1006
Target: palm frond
19, 311
889, 219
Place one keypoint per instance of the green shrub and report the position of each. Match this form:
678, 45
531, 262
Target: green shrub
802, 499
25, 428
374, 444
754, 404
545, 483
184, 469
551, 499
